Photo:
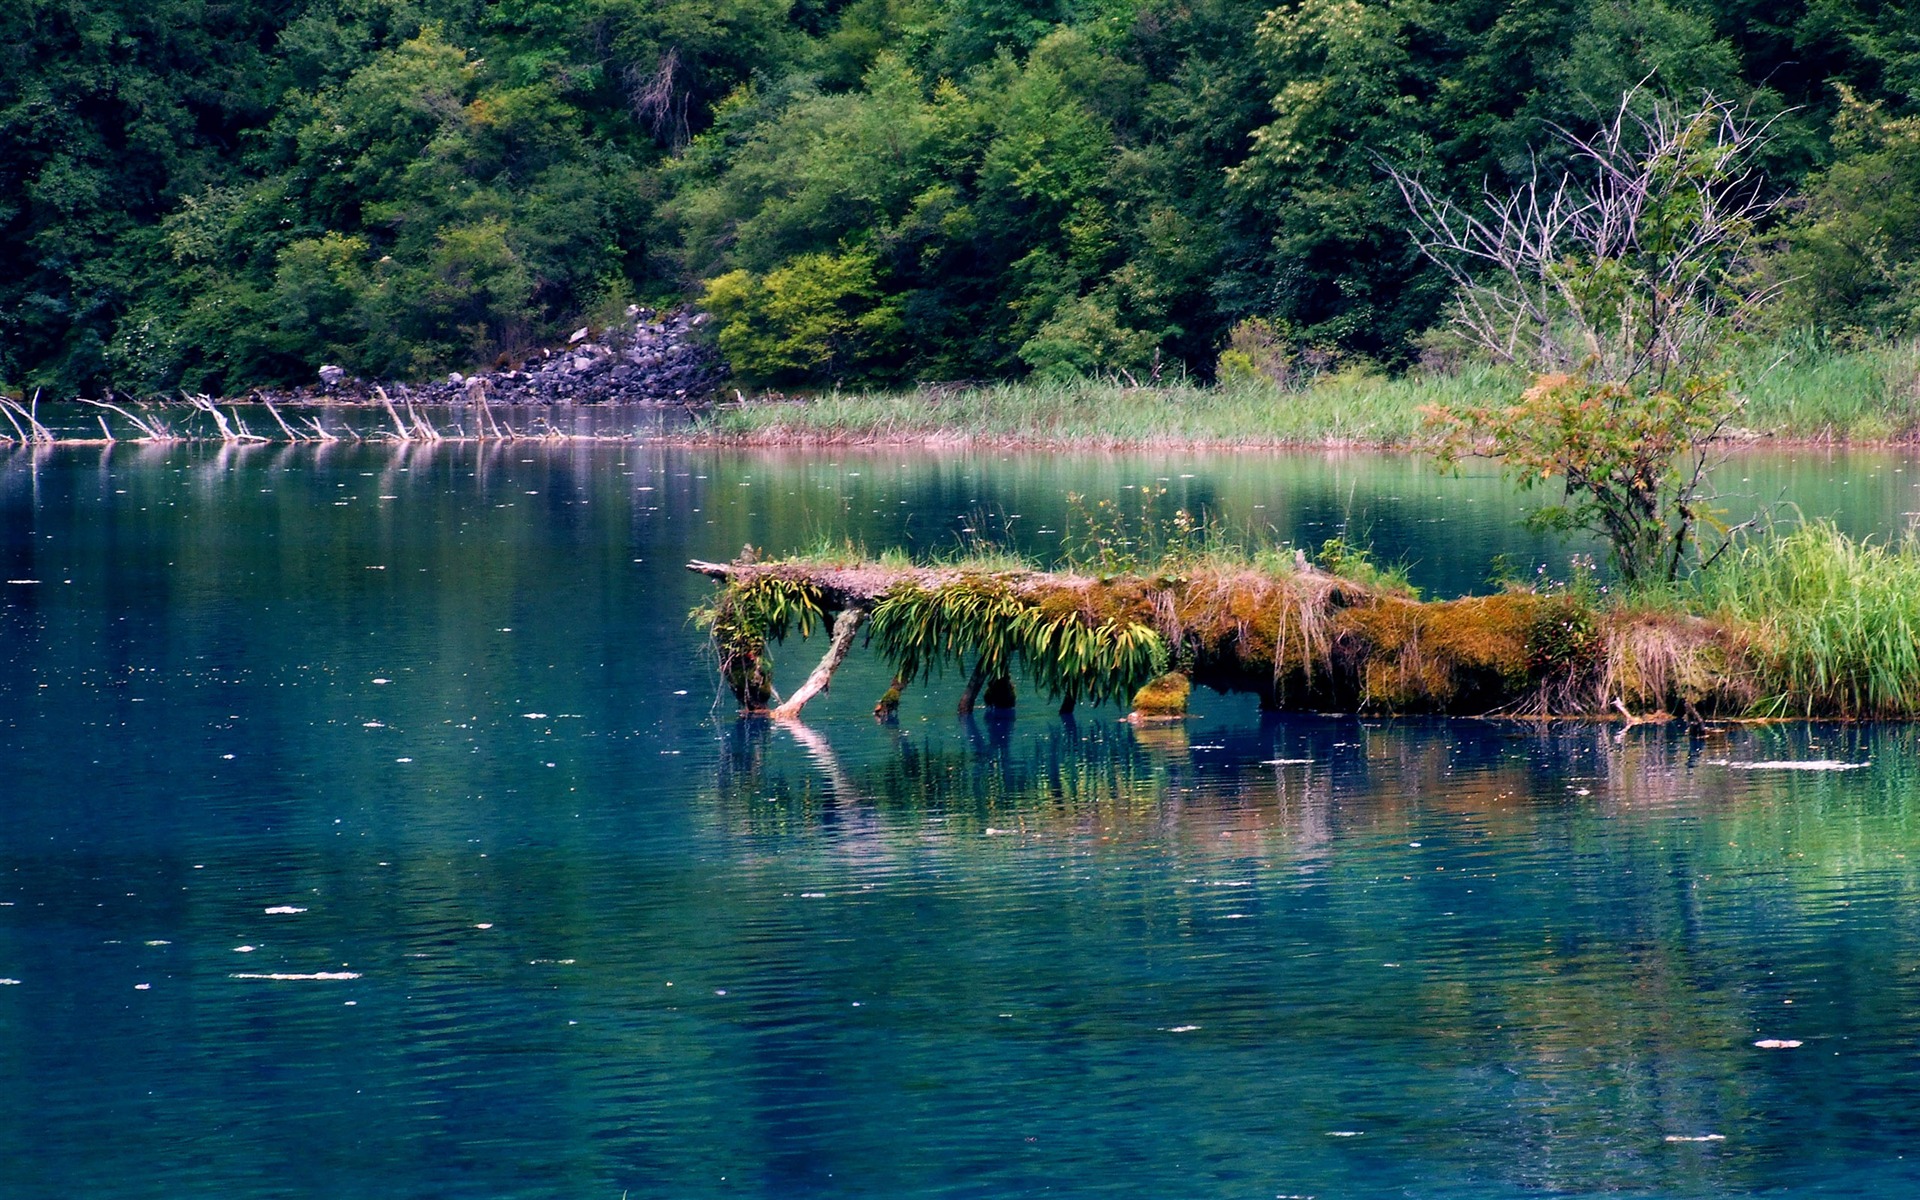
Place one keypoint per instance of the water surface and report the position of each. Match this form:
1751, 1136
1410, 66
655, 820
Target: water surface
434, 722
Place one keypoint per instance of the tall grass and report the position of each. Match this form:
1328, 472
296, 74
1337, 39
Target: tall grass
1797, 389
1351, 408
1836, 620
977, 555
1793, 388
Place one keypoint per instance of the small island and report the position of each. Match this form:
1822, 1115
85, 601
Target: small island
1812, 624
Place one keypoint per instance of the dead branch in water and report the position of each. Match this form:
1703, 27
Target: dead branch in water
20, 425
423, 429
487, 420
844, 627
232, 433
34, 433
320, 433
151, 430
399, 428
281, 421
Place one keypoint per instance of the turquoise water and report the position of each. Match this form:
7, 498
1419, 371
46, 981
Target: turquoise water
371, 824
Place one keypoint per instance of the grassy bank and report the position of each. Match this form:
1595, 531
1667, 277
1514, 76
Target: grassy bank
1792, 395
1351, 409
1868, 395
1809, 623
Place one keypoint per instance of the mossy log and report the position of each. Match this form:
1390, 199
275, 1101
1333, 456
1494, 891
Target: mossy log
1297, 638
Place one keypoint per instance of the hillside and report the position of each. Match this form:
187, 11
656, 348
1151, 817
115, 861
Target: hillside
870, 192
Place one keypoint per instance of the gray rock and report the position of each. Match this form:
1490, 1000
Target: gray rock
650, 358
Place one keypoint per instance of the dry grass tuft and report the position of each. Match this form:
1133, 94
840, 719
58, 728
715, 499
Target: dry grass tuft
1657, 661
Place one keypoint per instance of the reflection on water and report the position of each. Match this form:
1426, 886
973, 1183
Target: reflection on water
1513, 958
370, 827
357, 422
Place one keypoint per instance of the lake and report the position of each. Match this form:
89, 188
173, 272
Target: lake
373, 824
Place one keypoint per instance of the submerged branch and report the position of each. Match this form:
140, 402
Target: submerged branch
844, 627
151, 429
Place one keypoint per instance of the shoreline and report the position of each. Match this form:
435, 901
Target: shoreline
929, 442
934, 441
1854, 399
1864, 399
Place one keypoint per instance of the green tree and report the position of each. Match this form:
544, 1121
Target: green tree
210, 196
1853, 257
110, 110
1463, 93
806, 321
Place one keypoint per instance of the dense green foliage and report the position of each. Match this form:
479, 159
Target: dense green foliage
1854, 261
211, 196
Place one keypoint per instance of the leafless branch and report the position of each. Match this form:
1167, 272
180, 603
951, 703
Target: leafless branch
658, 100
151, 430
232, 432
34, 432
1632, 261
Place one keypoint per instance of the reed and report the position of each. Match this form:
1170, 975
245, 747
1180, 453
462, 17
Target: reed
1805, 391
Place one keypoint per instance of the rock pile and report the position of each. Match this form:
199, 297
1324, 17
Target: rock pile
646, 359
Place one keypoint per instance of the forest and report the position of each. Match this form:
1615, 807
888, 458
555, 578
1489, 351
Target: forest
211, 196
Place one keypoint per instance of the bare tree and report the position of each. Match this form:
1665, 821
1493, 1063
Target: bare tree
1618, 284
1631, 264
659, 98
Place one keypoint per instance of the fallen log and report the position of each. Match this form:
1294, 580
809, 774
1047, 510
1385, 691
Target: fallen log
1294, 636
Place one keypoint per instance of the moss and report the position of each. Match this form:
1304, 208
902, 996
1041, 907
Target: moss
1486, 633
1264, 632
750, 678
1468, 655
738, 631
888, 709
1661, 661
1063, 604
1296, 637
1565, 637
1120, 600
1163, 698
